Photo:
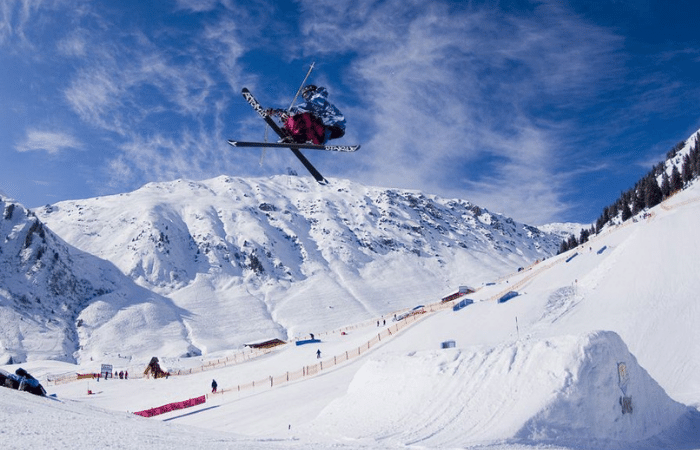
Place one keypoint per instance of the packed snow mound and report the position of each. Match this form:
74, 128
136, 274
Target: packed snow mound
564, 390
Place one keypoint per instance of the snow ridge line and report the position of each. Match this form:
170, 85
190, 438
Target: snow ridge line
650, 215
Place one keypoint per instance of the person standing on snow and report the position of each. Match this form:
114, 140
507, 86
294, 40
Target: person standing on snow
318, 354
316, 120
213, 386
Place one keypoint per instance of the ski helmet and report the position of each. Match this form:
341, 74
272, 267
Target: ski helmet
308, 91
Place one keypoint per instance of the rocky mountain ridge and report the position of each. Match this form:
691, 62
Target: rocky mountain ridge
222, 262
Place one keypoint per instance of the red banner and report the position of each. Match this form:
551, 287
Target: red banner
172, 407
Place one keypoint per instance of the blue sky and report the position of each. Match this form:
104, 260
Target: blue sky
543, 111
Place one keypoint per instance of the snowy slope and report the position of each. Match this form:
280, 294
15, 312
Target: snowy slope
255, 259
640, 281
549, 380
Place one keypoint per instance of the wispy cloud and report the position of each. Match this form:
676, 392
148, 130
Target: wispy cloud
197, 5
74, 45
164, 95
51, 142
448, 87
14, 16
505, 107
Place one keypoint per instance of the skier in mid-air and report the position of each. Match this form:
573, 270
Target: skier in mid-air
309, 126
316, 120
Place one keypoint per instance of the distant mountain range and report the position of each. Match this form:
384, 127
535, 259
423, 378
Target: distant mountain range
215, 264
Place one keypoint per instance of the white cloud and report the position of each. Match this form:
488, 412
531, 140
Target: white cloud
73, 45
447, 87
14, 16
197, 5
94, 94
48, 141
163, 94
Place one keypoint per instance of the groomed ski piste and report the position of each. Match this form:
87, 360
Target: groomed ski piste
598, 351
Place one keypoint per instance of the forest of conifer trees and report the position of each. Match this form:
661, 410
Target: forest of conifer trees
655, 187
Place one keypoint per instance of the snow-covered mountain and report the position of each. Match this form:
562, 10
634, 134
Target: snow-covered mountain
564, 230
57, 302
241, 257
41, 294
284, 229
596, 352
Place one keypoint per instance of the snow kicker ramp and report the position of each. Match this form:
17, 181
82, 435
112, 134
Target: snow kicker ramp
567, 391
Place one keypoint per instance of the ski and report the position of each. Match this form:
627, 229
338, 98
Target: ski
259, 109
329, 148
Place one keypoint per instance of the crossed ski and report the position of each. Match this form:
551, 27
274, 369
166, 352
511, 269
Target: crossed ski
295, 148
329, 148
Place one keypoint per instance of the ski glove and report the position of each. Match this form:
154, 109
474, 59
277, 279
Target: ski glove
283, 115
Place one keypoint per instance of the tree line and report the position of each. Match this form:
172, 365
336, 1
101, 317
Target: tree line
653, 188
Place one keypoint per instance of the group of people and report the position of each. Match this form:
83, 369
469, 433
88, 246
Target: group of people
122, 375
315, 121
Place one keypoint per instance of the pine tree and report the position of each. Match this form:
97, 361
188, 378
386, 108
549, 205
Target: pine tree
602, 220
676, 180
665, 185
638, 199
695, 160
563, 247
687, 170
652, 192
626, 212
584, 235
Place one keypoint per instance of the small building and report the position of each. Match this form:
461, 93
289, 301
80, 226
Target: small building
463, 303
466, 290
266, 344
508, 296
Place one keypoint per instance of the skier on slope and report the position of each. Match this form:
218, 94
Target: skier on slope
316, 120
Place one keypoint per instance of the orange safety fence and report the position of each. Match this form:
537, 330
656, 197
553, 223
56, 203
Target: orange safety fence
315, 369
249, 354
135, 372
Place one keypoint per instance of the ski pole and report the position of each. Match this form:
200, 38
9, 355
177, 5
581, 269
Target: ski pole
302, 85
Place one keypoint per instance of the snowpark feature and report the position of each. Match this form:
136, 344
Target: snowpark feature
554, 383
562, 391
